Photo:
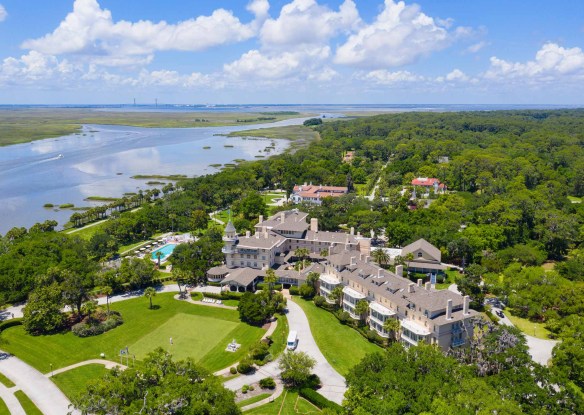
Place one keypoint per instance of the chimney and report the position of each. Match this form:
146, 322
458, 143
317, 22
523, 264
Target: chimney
360, 257
466, 305
411, 287
257, 234
449, 310
247, 233
428, 286
261, 219
379, 270
367, 259
314, 225
352, 231
359, 234
399, 270
353, 260
420, 282
282, 217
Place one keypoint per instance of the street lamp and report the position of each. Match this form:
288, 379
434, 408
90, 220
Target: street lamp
51, 369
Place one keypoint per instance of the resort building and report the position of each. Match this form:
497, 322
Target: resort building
439, 317
348, 157
428, 183
314, 194
427, 259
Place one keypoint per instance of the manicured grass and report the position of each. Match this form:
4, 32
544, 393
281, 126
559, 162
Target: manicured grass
73, 382
289, 403
65, 349
6, 382
450, 279
528, 327
29, 407
255, 399
88, 231
342, 346
186, 333
279, 336
3, 408
575, 199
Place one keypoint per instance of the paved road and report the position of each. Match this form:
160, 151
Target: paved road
333, 384
44, 393
539, 349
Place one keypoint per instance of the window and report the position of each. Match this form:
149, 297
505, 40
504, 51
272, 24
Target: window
419, 255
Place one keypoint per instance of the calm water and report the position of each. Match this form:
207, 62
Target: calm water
100, 161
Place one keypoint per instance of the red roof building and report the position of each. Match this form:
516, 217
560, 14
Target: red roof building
429, 182
314, 194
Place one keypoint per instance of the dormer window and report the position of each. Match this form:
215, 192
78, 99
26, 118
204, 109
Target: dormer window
419, 255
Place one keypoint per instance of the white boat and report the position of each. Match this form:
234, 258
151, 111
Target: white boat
60, 156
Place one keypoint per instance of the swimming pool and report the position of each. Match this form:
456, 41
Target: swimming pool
166, 251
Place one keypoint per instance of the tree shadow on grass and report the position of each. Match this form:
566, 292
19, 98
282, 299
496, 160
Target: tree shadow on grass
154, 307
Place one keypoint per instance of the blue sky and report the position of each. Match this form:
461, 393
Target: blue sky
291, 51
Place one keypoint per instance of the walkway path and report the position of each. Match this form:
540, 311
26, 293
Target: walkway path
271, 398
539, 349
44, 393
213, 218
372, 195
11, 401
107, 363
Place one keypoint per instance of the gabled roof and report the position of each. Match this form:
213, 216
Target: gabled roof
424, 246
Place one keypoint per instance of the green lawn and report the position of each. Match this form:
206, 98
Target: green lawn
29, 407
88, 231
3, 408
575, 199
450, 279
342, 346
73, 382
139, 321
5, 381
528, 327
289, 403
279, 336
255, 399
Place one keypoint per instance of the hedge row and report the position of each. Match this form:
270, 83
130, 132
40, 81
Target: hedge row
319, 400
264, 286
10, 323
225, 295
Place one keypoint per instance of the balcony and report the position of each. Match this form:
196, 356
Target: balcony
458, 342
456, 329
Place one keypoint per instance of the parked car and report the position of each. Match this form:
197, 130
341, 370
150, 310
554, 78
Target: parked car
500, 314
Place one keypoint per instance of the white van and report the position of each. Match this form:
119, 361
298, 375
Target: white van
292, 341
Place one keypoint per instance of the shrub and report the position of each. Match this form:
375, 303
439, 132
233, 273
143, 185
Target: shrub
294, 290
245, 366
244, 389
313, 382
264, 286
85, 329
319, 400
225, 295
232, 370
343, 316
267, 383
319, 300
251, 388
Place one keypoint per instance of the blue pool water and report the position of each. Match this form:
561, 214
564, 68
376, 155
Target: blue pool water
166, 252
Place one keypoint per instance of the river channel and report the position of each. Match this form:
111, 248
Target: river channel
100, 160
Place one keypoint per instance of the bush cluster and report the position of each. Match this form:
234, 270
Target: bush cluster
294, 290
87, 329
245, 366
267, 383
225, 295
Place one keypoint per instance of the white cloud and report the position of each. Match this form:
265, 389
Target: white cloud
307, 22
552, 63
385, 77
3, 13
296, 63
400, 35
474, 48
90, 30
456, 75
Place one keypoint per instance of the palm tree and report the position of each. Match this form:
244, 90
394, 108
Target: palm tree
89, 308
361, 309
337, 294
391, 325
149, 293
380, 256
270, 279
301, 253
324, 252
409, 257
107, 290
158, 255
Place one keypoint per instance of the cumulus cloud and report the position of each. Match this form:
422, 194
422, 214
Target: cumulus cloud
257, 65
552, 63
307, 22
3, 13
475, 47
90, 30
400, 35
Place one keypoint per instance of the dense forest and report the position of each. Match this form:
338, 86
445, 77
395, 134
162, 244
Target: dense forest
514, 183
